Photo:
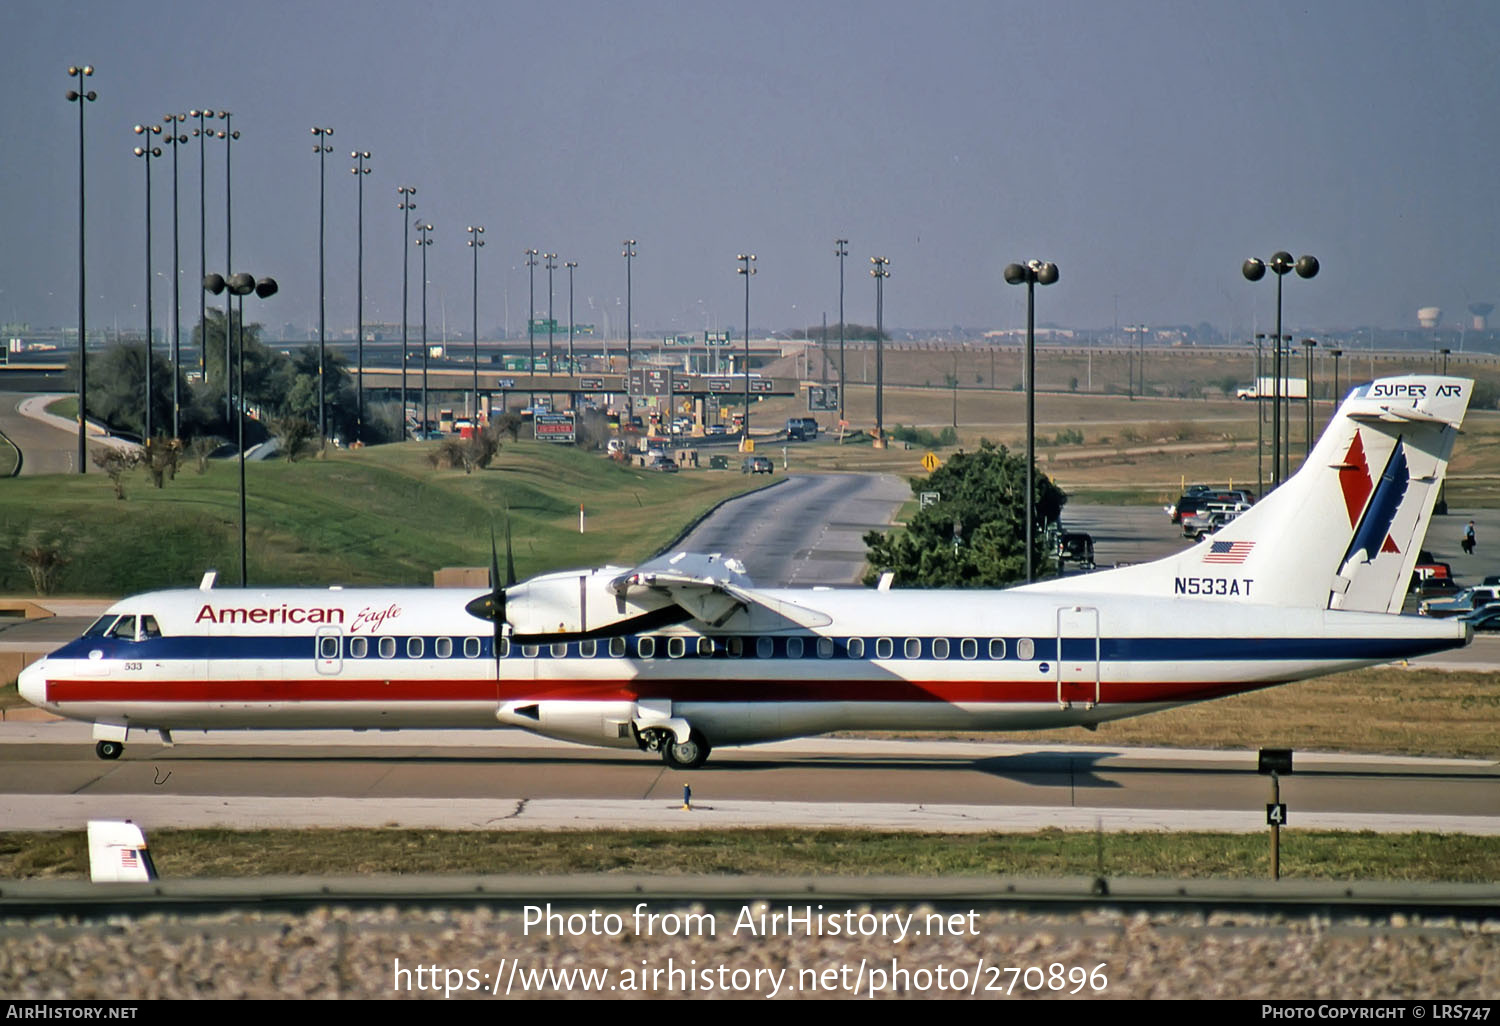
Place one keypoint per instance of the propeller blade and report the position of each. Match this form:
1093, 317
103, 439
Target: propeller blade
510, 560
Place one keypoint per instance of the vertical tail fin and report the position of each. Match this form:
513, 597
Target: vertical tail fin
1344, 531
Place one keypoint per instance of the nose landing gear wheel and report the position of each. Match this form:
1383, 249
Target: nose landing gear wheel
108, 749
689, 754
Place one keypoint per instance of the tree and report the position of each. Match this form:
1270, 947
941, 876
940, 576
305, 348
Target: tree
117, 388
974, 536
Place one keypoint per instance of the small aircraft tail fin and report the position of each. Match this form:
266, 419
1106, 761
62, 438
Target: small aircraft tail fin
118, 853
1341, 533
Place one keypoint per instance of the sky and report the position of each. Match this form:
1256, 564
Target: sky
1147, 148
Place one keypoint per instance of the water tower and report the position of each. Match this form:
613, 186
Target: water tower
1430, 316
1481, 312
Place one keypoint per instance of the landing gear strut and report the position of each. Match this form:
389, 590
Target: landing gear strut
108, 749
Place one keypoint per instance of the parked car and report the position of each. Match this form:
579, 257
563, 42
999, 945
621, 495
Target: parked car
756, 465
1466, 601
1484, 619
1076, 547
1210, 518
665, 464
716, 429
1191, 502
799, 429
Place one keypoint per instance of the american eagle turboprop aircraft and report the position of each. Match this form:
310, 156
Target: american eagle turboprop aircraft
684, 652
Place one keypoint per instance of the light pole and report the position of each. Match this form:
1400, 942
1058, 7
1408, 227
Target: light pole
1139, 331
1335, 353
841, 250
240, 285
1031, 274
176, 140
229, 135
571, 265
1308, 345
629, 255
1254, 270
322, 149
476, 243
746, 268
551, 266
148, 153
1260, 423
880, 272
531, 255
1445, 353
422, 244
359, 170
201, 134
406, 192
81, 72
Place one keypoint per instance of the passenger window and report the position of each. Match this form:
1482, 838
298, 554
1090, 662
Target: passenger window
856, 648
794, 648
765, 648
124, 629
471, 648
149, 628
1025, 648
940, 648
443, 648
414, 648
968, 648
676, 648
359, 648
559, 650
617, 647
705, 647
387, 648
913, 648
883, 648
328, 647
825, 648
646, 648
736, 648
997, 648
504, 648
529, 651
588, 649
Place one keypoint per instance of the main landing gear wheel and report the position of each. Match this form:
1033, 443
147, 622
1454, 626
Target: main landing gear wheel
689, 754
108, 749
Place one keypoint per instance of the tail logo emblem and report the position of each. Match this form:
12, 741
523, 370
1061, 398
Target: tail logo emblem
1357, 485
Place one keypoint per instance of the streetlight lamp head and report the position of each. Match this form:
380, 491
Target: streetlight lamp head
139, 151
241, 284
213, 283
1307, 266
1015, 274
266, 288
71, 94
1281, 261
1046, 274
1253, 269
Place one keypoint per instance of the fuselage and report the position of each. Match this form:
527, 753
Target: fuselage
982, 660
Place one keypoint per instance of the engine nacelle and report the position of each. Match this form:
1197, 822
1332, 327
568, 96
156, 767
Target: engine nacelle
588, 723
576, 603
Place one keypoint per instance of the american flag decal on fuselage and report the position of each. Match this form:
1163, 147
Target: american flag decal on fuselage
1228, 551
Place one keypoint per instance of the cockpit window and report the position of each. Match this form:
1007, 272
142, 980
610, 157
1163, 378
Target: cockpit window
99, 627
124, 629
149, 629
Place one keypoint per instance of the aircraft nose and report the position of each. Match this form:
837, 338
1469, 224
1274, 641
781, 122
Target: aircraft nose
32, 684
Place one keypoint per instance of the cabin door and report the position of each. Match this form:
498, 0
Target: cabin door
1077, 656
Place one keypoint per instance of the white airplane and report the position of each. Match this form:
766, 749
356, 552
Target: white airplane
684, 652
